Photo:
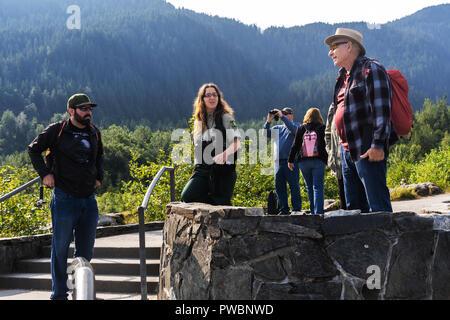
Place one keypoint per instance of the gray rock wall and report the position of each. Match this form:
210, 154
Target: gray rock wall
13, 249
216, 252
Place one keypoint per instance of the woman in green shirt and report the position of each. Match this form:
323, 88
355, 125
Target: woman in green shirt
216, 141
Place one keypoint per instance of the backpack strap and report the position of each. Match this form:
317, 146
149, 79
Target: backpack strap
364, 69
47, 153
95, 129
62, 127
60, 132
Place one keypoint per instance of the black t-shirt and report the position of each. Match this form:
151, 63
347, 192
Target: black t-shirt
82, 146
77, 157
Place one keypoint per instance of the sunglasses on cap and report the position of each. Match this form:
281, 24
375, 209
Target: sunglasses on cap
335, 45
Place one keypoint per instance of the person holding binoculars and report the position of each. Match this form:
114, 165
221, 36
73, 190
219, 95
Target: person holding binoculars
282, 147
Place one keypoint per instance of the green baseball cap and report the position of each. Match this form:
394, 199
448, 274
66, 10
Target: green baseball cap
78, 100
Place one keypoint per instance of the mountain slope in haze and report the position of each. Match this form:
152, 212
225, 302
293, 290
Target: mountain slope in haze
144, 60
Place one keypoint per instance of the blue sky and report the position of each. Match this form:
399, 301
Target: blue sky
288, 13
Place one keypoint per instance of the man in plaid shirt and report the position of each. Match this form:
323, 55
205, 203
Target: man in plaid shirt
363, 98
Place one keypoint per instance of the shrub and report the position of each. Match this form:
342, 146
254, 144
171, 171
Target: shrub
434, 168
19, 215
252, 186
132, 192
400, 164
111, 202
402, 193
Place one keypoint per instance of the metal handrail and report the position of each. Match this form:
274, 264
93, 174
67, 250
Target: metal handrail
20, 189
141, 209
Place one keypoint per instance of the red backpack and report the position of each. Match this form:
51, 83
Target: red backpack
401, 111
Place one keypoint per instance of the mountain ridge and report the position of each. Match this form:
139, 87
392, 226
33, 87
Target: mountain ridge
143, 61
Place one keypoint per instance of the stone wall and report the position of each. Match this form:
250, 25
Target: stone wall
13, 249
216, 252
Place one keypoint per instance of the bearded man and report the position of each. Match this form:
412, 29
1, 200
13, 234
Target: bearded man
74, 170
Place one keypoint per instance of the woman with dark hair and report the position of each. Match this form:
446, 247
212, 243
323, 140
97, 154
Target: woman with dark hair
309, 148
216, 141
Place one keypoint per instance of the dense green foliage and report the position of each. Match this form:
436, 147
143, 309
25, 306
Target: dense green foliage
251, 190
133, 157
425, 154
119, 145
20, 215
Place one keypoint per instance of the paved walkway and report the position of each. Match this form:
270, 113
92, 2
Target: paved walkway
439, 203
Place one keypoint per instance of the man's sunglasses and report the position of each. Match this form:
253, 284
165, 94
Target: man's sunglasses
335, 45
85, 108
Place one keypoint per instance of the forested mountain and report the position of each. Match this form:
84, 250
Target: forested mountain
143, 61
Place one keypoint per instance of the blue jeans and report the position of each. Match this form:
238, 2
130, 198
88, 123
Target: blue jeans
313, 172
365, 184
71, 216
282, 176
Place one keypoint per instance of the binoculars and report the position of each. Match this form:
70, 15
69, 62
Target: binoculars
275, 112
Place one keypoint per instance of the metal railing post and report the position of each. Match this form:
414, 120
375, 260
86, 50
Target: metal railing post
142, 257
141, 215
172, 185
20, 189
83, 279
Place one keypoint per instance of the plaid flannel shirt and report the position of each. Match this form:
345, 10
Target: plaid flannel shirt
367, 110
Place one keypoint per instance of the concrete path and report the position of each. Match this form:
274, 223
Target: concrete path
433, 204
152, 239
45, 295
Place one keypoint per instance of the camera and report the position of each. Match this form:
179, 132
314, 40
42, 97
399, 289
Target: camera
276, 118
